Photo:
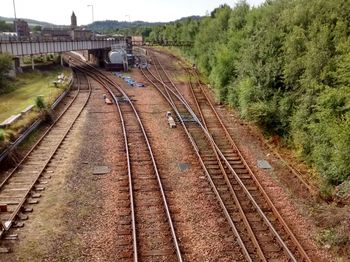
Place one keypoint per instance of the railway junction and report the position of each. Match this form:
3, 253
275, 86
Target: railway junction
151, 172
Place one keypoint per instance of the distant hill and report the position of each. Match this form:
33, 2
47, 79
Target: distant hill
108, 25
31, 22
193, 17
102, 26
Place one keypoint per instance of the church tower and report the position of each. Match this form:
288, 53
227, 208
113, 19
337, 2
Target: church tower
73, 21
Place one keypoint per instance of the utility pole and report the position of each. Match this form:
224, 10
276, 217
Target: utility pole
14, 10
92, 12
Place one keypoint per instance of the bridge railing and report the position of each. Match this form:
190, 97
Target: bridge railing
24, 48
163, 43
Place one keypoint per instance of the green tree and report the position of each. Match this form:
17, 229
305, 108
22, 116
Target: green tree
5, 66
284, 65
5, 27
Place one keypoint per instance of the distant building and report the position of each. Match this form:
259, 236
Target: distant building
22, 29
73, 21
67, 33
8, 36
137, 40
56, 34
81, 34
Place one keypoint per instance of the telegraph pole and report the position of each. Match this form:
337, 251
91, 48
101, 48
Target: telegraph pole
92, 12
14, 10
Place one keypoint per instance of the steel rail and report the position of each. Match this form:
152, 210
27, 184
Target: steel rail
216, 192
266, 197
6, 227
261, 213
246, 191
160, 184
294, 170
229, 184
128, 160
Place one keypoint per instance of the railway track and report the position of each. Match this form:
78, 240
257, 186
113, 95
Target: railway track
146, 229
260, 230
305, 188
21, 188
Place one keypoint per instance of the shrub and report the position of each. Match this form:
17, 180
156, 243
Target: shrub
40, 103
2, 136
246, 93
5, 66
44, 109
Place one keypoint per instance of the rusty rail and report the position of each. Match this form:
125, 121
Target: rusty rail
105, 81
283, 245
5, 227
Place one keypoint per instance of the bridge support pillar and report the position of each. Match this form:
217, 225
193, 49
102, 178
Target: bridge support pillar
15, 67
61, 58
96, 56
33, 63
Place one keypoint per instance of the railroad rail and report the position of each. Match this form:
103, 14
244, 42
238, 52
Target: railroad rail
152, 229
20, 188
183, 119
260, 230
305, 186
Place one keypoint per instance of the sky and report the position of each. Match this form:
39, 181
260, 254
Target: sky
59, 11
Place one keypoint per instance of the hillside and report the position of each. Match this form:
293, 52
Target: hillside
31, 22
114, 25
104, 26
107, 25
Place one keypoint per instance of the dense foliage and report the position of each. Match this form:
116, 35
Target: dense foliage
284, 65
130, 28
31, 22
5, 66
5, 27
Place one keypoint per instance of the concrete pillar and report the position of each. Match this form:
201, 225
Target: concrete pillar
33, 64
88, 55
61, 56
16, 62
12, 72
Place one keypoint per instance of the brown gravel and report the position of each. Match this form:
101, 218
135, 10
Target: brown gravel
200, 224
292, 208
80, 212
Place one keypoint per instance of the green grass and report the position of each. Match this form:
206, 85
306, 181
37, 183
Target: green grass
24, 92
26, 88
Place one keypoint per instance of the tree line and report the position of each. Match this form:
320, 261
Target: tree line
284, 65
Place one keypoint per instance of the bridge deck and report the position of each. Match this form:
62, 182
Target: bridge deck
33, 48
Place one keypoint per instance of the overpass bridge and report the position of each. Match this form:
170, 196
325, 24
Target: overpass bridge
96, 49
163, 43
27, 48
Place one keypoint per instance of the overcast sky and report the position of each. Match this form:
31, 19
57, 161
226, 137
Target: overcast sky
59, 11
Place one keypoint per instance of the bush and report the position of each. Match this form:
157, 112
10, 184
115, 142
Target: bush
44, 109
5, 66
246, 94
284, 65
40, 103
2, 136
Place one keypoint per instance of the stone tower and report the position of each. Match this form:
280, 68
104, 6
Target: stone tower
73, 21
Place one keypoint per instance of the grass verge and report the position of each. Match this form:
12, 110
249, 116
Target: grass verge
24, 92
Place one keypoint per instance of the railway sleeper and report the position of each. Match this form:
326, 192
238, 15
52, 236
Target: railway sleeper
124, 229
237, 170
219, 181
